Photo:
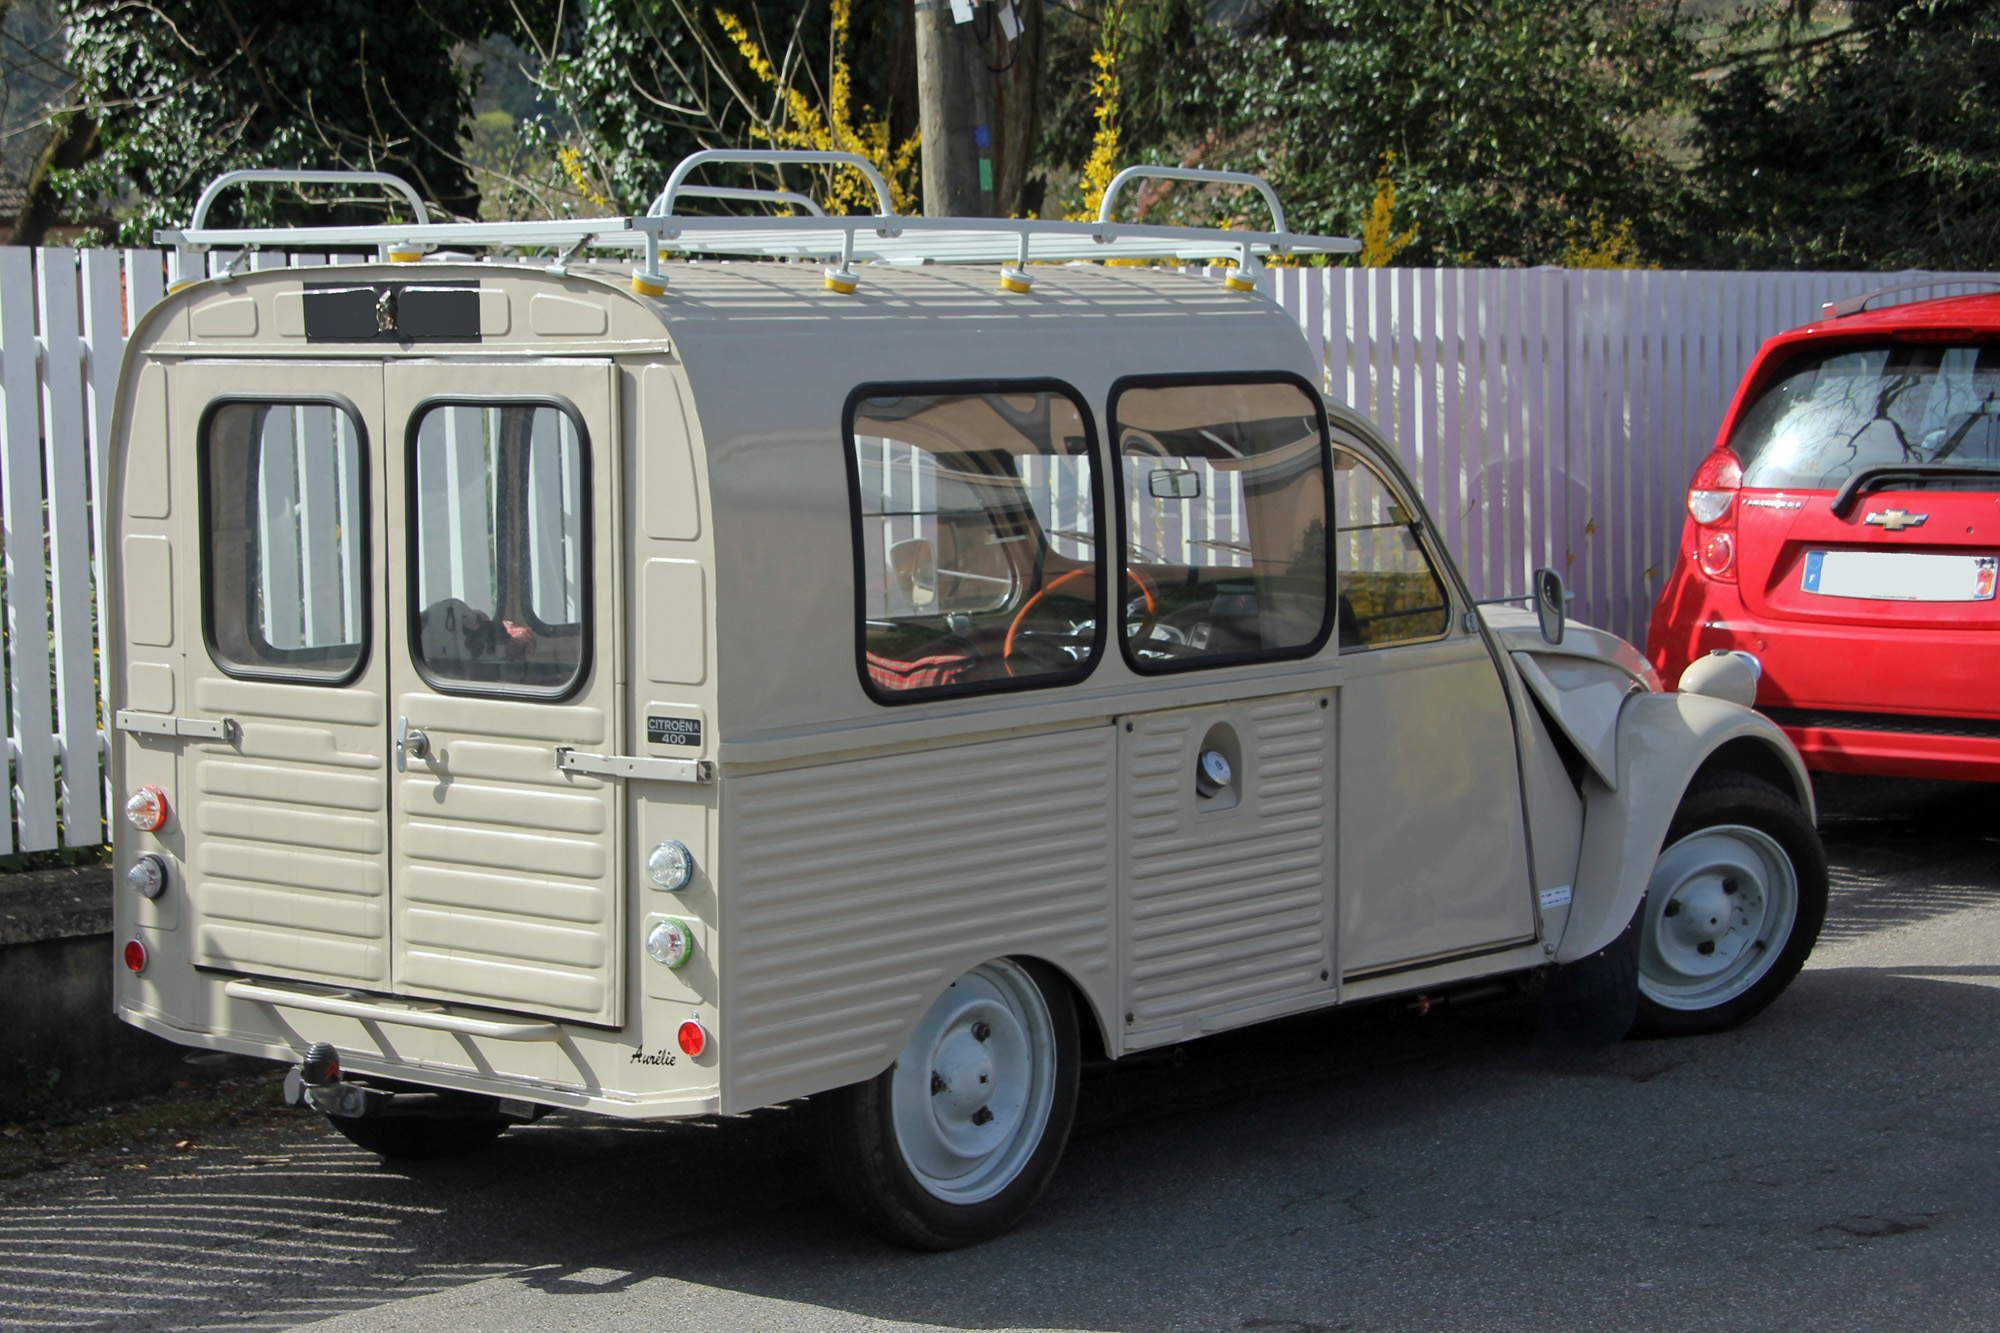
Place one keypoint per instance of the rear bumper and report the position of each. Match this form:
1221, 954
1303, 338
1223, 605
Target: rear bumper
1897, 703
1892, 746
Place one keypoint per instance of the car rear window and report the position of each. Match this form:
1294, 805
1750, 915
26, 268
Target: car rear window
1828, 414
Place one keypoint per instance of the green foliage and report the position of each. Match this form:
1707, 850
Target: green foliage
185, 89
1509, 119
1876, 145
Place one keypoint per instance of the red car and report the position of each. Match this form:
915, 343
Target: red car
1846, 532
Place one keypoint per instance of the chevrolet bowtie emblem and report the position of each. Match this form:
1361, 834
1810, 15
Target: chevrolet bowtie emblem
1895, 520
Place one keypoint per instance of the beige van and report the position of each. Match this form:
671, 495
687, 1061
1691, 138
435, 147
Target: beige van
887, 669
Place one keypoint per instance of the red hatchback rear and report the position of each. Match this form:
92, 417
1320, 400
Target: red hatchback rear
1846, 531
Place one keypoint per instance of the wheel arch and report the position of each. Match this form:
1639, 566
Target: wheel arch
1666, 742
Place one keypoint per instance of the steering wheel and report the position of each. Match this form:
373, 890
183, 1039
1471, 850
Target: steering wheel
1014, 628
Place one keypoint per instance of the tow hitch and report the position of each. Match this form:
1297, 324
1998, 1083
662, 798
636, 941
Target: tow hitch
317, 1083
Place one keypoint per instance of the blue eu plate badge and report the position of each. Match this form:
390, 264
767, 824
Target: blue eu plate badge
1814, 559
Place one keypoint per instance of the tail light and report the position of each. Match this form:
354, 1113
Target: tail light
1712, 505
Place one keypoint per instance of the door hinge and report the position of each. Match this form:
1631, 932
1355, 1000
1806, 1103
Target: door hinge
194, 728
632, 766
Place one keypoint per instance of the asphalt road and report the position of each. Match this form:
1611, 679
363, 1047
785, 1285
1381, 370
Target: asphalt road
1832, 1165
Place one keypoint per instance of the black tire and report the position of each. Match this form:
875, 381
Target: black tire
869, 1174
420, 1138
1713, 803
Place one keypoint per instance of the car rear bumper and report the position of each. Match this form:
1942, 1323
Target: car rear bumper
1894, 745
1899, 703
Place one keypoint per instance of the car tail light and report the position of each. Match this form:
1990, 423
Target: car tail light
1712, 494
135, 955
1718, 554
146, 809
1712, 505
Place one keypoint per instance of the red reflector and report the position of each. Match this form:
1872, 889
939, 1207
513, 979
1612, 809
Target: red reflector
1718, 554
135, 955
693, 1039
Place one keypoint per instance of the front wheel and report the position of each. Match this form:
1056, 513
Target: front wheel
954, 1142
1733, 907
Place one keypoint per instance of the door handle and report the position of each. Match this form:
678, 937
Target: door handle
410, 744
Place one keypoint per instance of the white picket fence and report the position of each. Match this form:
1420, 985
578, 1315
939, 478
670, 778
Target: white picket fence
1549, 417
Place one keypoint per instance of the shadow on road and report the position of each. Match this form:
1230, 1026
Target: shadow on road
1834, 1158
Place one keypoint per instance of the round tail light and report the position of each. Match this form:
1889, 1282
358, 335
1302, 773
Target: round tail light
146, 809
1718, 553
1714, 486
693, 1038
135, 955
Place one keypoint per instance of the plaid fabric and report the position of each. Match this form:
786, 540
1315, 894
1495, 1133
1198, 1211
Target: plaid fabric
890, 674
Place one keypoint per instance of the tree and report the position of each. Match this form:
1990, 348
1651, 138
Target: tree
1873, 144
182, 90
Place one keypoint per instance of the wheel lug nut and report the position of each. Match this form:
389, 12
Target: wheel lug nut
1705, 948
1729, 886
1673, 909
982, 1116
981, 1031
938, 1084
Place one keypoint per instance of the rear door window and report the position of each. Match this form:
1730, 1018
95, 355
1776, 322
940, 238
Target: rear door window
1828, 414
499, 516
976, 545
1223, 494
284, 532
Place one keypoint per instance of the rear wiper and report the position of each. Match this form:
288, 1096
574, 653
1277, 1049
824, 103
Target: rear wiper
1871, 478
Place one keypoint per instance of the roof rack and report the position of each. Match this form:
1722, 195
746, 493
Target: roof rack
841, 242
1854, 305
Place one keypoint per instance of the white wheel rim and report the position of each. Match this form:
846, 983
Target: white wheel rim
1719, 908
971, 1092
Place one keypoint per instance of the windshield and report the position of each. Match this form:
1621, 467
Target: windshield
1830, 414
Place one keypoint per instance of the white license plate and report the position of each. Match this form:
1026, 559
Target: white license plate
1901, 576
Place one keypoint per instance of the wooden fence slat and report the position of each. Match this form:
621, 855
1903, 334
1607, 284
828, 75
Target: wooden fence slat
67, 467
104, 344
29, 710
145, 284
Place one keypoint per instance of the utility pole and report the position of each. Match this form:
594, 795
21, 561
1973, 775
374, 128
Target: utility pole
954, 110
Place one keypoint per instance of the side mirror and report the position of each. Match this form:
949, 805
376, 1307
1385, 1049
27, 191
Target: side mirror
1551, 601
915, 565
1166, 483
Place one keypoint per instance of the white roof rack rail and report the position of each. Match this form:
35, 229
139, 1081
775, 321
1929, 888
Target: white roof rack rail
842, 241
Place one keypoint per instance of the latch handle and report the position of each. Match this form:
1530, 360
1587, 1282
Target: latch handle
410, 744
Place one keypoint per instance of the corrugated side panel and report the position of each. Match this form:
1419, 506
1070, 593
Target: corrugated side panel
1226, 912
289, 835
507, 872
855, 891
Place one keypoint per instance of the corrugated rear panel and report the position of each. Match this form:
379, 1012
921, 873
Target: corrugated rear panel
854, 892
288, 839
1227, 910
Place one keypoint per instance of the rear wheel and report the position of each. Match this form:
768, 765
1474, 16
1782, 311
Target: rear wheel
954, 1142
1733, 907
421, 1138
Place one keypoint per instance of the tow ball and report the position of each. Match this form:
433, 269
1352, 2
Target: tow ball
316, 1082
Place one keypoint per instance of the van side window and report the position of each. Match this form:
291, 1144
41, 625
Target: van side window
284, 536
499, 509
1389, 593
1223, 494
975, 539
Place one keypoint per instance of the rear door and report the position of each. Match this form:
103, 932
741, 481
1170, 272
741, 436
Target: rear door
277, 481
503, 645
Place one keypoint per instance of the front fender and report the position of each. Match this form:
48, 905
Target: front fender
1663, 741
